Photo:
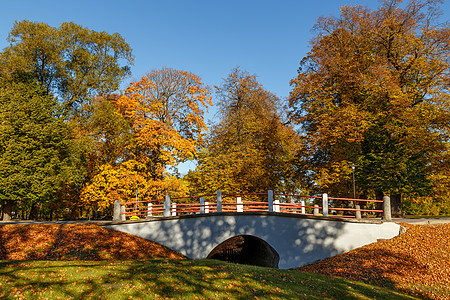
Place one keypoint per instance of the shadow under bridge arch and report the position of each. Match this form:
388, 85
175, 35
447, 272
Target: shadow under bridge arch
246, 249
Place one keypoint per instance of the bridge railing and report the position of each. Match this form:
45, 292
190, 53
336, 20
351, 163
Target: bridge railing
252, 202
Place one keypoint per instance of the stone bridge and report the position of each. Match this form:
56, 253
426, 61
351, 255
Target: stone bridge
298, 239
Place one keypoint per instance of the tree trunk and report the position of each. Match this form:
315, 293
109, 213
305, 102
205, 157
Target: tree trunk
396, 205
34, 212
7, 210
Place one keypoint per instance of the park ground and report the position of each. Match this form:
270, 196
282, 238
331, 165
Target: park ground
85, 260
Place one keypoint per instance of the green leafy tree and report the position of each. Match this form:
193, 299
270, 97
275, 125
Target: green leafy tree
71, 61
109, 130
36, 165
251, 148
373, 91
76, 65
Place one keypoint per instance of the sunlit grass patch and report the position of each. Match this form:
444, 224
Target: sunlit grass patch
178, 279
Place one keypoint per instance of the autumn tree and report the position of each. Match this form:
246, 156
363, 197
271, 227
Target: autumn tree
70, 61
162, 123
110, 132
250, 148
373, 91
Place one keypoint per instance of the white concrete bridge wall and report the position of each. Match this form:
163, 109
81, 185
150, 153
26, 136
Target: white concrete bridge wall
298, 240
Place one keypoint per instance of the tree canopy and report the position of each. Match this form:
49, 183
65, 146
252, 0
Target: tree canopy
71, 61
145, 133
373, 91
250, 148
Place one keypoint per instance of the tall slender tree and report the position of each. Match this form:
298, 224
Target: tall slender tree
250, 148
73, 65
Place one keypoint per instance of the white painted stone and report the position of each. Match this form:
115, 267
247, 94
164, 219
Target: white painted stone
276, 206
299, 240
239, 205
149, 208
174, 209
202, 205
325, 205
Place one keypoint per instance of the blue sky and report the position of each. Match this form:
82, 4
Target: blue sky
208, 38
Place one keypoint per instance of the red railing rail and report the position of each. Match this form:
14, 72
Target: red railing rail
356, 200
232, 202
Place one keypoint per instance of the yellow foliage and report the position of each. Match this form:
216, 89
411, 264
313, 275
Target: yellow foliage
114, 183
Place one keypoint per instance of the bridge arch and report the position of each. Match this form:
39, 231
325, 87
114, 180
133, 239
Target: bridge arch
246, 249
298, 239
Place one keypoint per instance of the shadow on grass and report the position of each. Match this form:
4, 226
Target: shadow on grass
179, 279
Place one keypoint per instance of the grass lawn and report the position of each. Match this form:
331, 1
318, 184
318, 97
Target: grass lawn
177, 279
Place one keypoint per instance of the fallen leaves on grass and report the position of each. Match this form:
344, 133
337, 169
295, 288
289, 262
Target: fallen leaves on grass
75, 242
417, 262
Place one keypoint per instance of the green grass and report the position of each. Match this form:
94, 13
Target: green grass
178, 279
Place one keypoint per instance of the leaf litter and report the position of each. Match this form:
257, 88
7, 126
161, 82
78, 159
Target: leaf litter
79, 241
416, 262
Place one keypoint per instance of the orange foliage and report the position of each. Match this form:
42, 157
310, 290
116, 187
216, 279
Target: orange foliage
165, 112
165, 126
373, 91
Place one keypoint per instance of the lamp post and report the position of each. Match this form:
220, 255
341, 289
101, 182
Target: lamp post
354, 188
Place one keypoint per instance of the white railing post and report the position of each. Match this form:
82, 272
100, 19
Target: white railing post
387, 216
358, 212
316, 210
174, 209
116, 212
167, 207
325, 205
303, 207
149, 210
239, 205
219, 201
206, 207
123, 217
270, 200
276, 206
202, 205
